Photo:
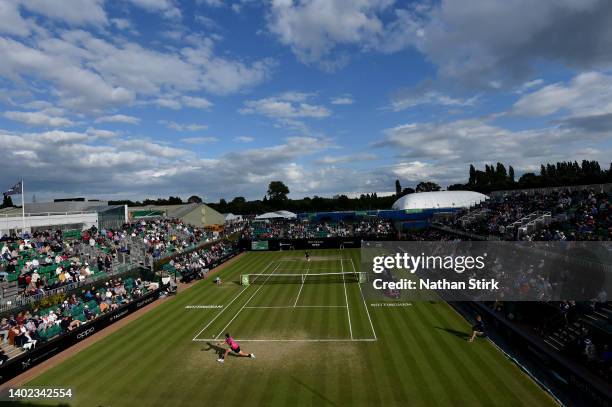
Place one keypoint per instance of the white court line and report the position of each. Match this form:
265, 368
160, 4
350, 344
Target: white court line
364, 303
346, 299
299, 306
249, 300
227, 306
302, 286
294, 340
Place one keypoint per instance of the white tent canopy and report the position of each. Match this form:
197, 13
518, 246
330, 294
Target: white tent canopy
230, 217
277, 215
439, 200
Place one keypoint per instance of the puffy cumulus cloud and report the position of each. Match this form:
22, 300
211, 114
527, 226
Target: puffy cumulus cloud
101, 133
11, 21
483, 40
444, 150
94, 166
587, 94
343, 159
199, 140
62, 137
38, 119
429, 93
290, 105
342, 100
74, 12
92, 72
223, 76
118, 118
176, 102
152, 148
76, 85
417, 171
166, 8
183, 126
314, 28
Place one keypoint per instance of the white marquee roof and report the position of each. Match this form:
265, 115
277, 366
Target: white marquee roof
277, 215
439, 199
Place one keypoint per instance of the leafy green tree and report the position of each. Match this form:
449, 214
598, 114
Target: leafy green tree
277, 191
427, 187
194, 199
7, 202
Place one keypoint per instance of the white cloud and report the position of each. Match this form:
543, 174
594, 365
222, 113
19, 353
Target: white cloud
118, 118
417, 171
196, 102
484, 42
40, 119
429, 97
166, 8
152, 148
451, 147
313, 29
76, 85
211, 3
207, 22
342, 100
245, 139
530, 85
62, 137
121, 23
11, 21
90, 73
587, 94
285, 106
199, 140
344, 159
183, 126
74, 12
101, 133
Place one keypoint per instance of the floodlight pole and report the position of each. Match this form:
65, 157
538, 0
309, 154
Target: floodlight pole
22, 208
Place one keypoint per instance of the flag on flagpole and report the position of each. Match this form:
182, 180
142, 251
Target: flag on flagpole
15, 189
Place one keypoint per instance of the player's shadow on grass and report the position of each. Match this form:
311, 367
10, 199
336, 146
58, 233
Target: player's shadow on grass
314, 391
219, 350
458, 334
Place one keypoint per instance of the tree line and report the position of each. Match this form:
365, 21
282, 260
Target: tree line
491, 178
563, 173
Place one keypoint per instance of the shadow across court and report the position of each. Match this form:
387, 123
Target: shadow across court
458, 334
219, 350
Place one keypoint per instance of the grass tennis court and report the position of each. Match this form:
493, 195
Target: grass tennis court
317, 343
292, 299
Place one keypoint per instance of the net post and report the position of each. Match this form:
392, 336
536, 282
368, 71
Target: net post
363, 278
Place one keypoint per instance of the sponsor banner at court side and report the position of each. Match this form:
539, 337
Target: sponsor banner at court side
45, 350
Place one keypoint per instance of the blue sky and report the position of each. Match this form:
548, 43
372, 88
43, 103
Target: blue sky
147, 98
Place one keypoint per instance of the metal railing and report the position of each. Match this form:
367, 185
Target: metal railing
31, 215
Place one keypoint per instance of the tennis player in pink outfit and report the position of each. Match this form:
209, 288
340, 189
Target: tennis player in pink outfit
234, 348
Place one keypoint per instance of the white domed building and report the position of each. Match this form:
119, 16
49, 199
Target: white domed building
439, 200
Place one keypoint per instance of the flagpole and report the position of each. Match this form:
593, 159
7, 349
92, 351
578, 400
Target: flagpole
22, 207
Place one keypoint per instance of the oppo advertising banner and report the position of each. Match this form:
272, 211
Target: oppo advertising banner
487, 271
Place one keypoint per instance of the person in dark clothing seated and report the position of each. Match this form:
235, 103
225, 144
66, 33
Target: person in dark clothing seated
478, 329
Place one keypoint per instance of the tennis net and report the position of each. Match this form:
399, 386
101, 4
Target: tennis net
306, 278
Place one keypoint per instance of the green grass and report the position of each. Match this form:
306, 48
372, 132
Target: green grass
421, 357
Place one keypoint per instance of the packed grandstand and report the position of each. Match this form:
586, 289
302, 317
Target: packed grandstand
55, 281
